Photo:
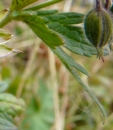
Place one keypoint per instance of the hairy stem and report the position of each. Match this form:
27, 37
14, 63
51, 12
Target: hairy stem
98, 5
44, 4
9, 16
108, 2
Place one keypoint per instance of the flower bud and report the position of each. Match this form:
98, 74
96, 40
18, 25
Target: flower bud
98, 29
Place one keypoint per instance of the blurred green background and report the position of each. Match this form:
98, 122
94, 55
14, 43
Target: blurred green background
53, 98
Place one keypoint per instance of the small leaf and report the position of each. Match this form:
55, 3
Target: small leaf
3, 13
6, 50
11, 105
6, 122
3, 86
49, 36
4, 35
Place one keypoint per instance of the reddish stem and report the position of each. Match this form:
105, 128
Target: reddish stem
98, 5
107, 4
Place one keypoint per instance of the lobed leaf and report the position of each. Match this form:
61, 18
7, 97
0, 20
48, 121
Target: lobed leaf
11, 105
6, 50
61, 23
6, 122
4, 35
72, 69
55, 29
49, 36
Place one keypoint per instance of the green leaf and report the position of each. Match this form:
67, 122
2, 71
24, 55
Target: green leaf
6, 50
44, 4
3, 12
4, 35
72, 69
6, 122
66, 59
73, 37
48, 23
61, 23
19, 4
3, 86
49, 36
11, 105
47, 12
40, 113
65, 18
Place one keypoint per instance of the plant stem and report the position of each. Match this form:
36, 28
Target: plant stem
9, 17
108, 2
67, 5
44, 4
98, 5
54, 84
27, 71
6, 19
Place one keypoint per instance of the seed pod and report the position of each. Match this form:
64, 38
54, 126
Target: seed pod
98, 29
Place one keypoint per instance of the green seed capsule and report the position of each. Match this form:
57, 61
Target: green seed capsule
98, 29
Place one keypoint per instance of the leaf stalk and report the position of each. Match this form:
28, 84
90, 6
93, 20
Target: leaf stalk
43, 5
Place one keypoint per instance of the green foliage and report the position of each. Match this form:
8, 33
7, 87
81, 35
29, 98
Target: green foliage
5, 49
9, 108
41, 29
51, 21
6, 122
11, 105
58, 31
4, 35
